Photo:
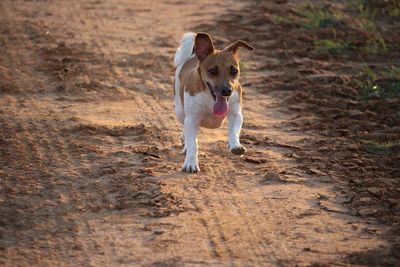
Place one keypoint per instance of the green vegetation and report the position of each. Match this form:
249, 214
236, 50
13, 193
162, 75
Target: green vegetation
375, 44
383, 83
371, 9
281, 19
317, 18
328, 46
356, 27
365, 8
364, 24
384, 149
394, 9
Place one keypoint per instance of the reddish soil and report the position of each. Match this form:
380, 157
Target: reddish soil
90, 152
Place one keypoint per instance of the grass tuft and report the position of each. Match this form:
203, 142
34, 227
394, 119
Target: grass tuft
383, 83
317, 17
328, 46
385, 149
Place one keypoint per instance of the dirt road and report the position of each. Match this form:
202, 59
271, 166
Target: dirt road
90, 150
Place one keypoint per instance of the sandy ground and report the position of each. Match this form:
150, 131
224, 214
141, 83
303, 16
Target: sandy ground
90, 150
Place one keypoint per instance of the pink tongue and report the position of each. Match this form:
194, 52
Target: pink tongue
221, 106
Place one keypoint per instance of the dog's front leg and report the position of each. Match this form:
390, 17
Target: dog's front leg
191, 129
235, 121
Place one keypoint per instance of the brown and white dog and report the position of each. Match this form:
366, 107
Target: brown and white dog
207, 90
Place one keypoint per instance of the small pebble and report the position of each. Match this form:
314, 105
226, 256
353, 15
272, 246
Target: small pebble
158, 232
367, 212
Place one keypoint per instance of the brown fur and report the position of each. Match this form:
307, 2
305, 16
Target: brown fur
194, 73
189, 73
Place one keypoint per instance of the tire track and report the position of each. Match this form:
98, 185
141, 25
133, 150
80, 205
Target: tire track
212, 244
241, 208
219, 232
217, 185
222, 180
210, 208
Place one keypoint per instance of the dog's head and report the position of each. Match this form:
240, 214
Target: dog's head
219, 70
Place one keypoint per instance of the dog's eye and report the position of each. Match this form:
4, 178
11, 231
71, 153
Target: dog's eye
213, 71
234, 71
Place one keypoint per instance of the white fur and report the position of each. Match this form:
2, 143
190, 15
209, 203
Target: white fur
182, 55
198, 109
235, 121
180, 114
185, 50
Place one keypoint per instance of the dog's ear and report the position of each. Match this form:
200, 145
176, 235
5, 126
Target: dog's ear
235, 46
203, 45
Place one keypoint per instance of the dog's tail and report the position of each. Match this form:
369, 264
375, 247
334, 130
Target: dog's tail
185, 50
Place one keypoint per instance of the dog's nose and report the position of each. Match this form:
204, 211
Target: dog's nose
226, 91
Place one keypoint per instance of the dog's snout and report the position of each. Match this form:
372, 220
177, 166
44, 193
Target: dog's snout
226, 91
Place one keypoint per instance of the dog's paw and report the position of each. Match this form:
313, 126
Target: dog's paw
190, 167
238, 150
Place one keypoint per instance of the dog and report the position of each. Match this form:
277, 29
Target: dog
207, 90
